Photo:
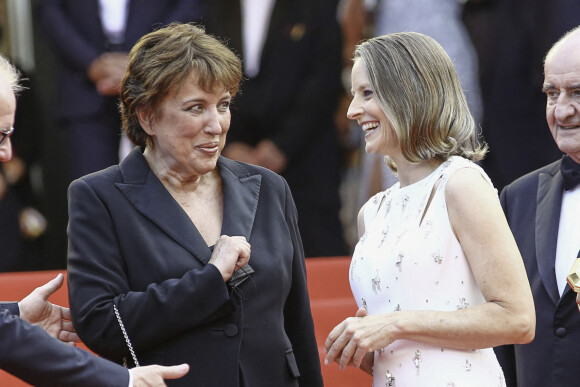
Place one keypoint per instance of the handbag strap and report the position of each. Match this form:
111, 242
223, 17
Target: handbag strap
126, 336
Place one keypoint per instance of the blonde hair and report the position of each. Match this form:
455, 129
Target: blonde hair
417, 87
163, 59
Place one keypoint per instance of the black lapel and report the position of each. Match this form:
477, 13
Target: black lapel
549, 203
241, 194
150, 197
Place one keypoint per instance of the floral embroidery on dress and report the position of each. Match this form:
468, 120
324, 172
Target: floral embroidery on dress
384, 235
388, 207
399, 260
405, 199
437, 258
376, 283
463, 304
467, 366
417, 360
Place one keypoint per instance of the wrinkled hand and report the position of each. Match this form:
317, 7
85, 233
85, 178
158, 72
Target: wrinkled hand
54, 319
353, 341
107, 72
230, 253
153, 375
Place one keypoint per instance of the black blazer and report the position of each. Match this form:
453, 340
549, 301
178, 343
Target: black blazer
532, 207
132, 245
29, 353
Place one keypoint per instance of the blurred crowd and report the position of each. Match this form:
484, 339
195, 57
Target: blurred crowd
291, 114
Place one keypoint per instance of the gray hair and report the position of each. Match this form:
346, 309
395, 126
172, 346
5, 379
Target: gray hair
11, 73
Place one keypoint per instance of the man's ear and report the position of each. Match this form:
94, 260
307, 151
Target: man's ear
146, 120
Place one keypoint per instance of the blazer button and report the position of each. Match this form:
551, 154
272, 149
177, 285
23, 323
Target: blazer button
231, 330
561, 332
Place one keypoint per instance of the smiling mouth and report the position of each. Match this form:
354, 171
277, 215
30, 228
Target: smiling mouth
369, 127
210, 147
569, 127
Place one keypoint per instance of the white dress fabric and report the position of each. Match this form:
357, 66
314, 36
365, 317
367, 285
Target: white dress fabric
410, 259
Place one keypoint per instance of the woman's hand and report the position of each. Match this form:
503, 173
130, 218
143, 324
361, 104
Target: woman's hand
353, 341
230, 253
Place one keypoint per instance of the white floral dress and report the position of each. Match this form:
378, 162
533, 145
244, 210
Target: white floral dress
404, 262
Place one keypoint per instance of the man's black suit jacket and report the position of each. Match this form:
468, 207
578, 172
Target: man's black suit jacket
29, 353
532, 207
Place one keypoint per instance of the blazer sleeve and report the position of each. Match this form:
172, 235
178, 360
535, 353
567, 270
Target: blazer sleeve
298, 321
11, 307
30, 354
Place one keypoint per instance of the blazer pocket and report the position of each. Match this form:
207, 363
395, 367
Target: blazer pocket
291, 363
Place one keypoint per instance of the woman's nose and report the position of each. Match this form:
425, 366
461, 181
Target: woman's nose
354, 110
214, 123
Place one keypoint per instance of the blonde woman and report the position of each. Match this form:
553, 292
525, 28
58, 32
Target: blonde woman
437, 274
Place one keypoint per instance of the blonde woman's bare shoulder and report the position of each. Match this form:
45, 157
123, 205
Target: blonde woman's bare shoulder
466, 184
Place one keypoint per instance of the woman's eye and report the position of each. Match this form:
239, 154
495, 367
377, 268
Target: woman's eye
225, 105
195, 108
367, 93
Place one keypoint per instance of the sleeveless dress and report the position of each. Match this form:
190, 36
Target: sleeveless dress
410, 259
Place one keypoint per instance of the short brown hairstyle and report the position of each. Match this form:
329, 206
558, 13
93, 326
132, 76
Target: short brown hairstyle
162, 60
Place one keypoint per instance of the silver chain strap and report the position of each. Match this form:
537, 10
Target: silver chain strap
126, 339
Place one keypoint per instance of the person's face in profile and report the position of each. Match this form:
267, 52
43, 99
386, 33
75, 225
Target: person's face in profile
562, 89
190, 129
364, 108
7, 111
